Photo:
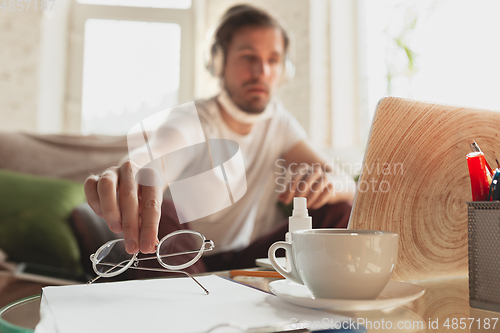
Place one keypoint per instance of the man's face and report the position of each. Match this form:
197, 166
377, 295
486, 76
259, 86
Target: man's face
254, 65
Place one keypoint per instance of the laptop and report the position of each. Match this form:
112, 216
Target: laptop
415, 181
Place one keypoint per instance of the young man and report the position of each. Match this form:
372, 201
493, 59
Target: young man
250, 50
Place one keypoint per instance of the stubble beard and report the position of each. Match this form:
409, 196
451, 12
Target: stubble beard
256, 105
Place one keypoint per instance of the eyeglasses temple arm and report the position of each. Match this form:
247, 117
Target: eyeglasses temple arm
154, 270
112, 267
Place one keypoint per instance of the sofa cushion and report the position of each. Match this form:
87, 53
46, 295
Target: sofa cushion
34, 215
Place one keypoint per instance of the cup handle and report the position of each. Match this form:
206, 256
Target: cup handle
292, 274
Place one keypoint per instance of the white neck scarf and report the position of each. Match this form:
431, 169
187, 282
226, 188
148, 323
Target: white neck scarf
241, 116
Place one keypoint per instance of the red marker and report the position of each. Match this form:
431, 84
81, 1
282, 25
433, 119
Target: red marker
480, 176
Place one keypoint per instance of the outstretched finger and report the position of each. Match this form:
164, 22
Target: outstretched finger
90, 189
106, 189
316, 190
292, 187
151, 199
324, 198
129, 206
314, 175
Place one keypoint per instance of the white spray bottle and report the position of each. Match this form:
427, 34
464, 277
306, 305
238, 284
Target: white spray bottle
300, 220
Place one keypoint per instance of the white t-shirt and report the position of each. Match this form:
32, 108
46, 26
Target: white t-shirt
236, 226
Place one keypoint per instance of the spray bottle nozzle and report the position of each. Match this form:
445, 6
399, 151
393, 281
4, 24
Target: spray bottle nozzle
299, 207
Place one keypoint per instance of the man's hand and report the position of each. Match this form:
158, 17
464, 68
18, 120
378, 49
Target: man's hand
127, 206
310, 182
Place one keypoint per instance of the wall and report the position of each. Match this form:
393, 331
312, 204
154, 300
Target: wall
19, 65
23, 63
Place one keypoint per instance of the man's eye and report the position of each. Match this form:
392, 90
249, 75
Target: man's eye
248, 57
273, 61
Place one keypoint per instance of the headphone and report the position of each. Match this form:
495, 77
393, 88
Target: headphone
214, 61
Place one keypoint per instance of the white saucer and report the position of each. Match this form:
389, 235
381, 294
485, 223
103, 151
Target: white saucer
394, 294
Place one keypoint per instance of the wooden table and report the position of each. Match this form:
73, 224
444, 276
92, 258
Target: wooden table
440, 309
13, 289
443, 308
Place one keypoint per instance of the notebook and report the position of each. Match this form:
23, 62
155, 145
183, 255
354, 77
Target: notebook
171, 305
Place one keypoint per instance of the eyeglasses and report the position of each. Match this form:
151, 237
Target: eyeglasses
177, 250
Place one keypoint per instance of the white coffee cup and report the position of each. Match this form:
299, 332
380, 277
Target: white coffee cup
339, 263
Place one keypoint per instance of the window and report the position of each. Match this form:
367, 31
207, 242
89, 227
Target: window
433, 50
441, 51
126, 63
130, 69
181, 4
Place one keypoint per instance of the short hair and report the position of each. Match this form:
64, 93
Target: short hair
244, 15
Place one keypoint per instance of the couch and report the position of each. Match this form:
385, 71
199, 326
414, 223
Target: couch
38, 173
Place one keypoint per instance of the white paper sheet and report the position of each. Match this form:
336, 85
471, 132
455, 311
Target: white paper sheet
166, 305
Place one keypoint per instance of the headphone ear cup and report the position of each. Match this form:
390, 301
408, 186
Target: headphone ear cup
209, 59
215, 63
288, 71
218, 61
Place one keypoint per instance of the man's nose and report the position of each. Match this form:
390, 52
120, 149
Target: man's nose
260, 69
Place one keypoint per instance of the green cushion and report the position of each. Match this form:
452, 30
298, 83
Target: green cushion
34, 215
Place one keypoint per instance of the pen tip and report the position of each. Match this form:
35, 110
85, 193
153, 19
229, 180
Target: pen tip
474, 146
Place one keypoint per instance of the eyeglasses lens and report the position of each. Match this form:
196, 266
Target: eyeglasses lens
180, 249
112, 257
